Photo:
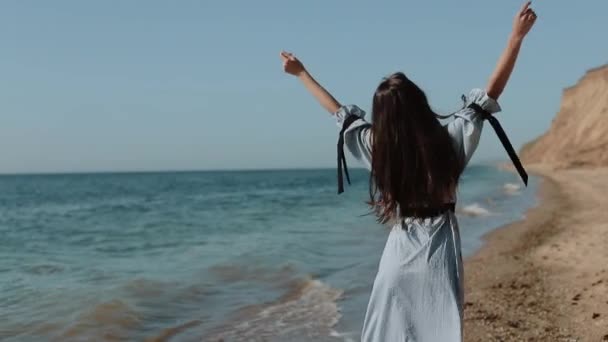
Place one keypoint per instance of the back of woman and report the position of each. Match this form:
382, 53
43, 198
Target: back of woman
417, 294
415, 166
415, 163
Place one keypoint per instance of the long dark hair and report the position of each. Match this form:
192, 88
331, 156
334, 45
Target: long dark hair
414, 162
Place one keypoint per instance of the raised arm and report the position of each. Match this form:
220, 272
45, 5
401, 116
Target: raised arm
293, 66
524, 20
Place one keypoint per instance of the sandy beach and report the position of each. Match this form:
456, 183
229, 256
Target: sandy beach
545, 278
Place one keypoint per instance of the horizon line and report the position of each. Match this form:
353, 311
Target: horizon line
101, 172
59, 173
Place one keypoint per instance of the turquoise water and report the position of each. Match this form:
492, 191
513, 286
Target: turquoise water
201, 256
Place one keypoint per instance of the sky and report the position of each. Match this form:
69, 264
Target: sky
119, 85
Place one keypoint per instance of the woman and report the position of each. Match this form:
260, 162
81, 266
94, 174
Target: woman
415, 165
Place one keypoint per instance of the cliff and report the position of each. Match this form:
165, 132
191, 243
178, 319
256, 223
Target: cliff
578, 135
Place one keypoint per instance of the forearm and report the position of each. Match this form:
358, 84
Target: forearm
504, 68
323, 96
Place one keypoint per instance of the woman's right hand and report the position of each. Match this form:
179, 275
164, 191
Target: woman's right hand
524, 20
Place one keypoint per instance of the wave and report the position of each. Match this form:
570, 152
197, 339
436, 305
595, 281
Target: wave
511, 188
167, 334
308, 309
474, 210
346, 337
234, 273
113, 320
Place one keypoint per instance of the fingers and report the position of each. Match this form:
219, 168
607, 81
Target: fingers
530, 15
525, 19
527, 14
287, 56
525, 7
284, 55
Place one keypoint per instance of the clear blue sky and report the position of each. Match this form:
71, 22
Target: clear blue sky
157, 85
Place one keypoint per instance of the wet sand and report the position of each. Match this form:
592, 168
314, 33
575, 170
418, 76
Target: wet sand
545, 278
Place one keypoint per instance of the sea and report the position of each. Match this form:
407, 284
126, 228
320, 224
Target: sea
206, 256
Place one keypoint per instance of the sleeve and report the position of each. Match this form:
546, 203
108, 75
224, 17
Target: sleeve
466, 127
357, 137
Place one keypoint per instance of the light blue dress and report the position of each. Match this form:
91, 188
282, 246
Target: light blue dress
418, 291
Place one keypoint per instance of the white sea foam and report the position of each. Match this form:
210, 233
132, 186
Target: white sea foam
474, 210
309, 308
511, 188
344, 336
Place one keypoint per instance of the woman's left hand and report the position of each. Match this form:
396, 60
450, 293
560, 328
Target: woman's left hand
291, 64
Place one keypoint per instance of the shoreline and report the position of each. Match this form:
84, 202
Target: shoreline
526, 282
